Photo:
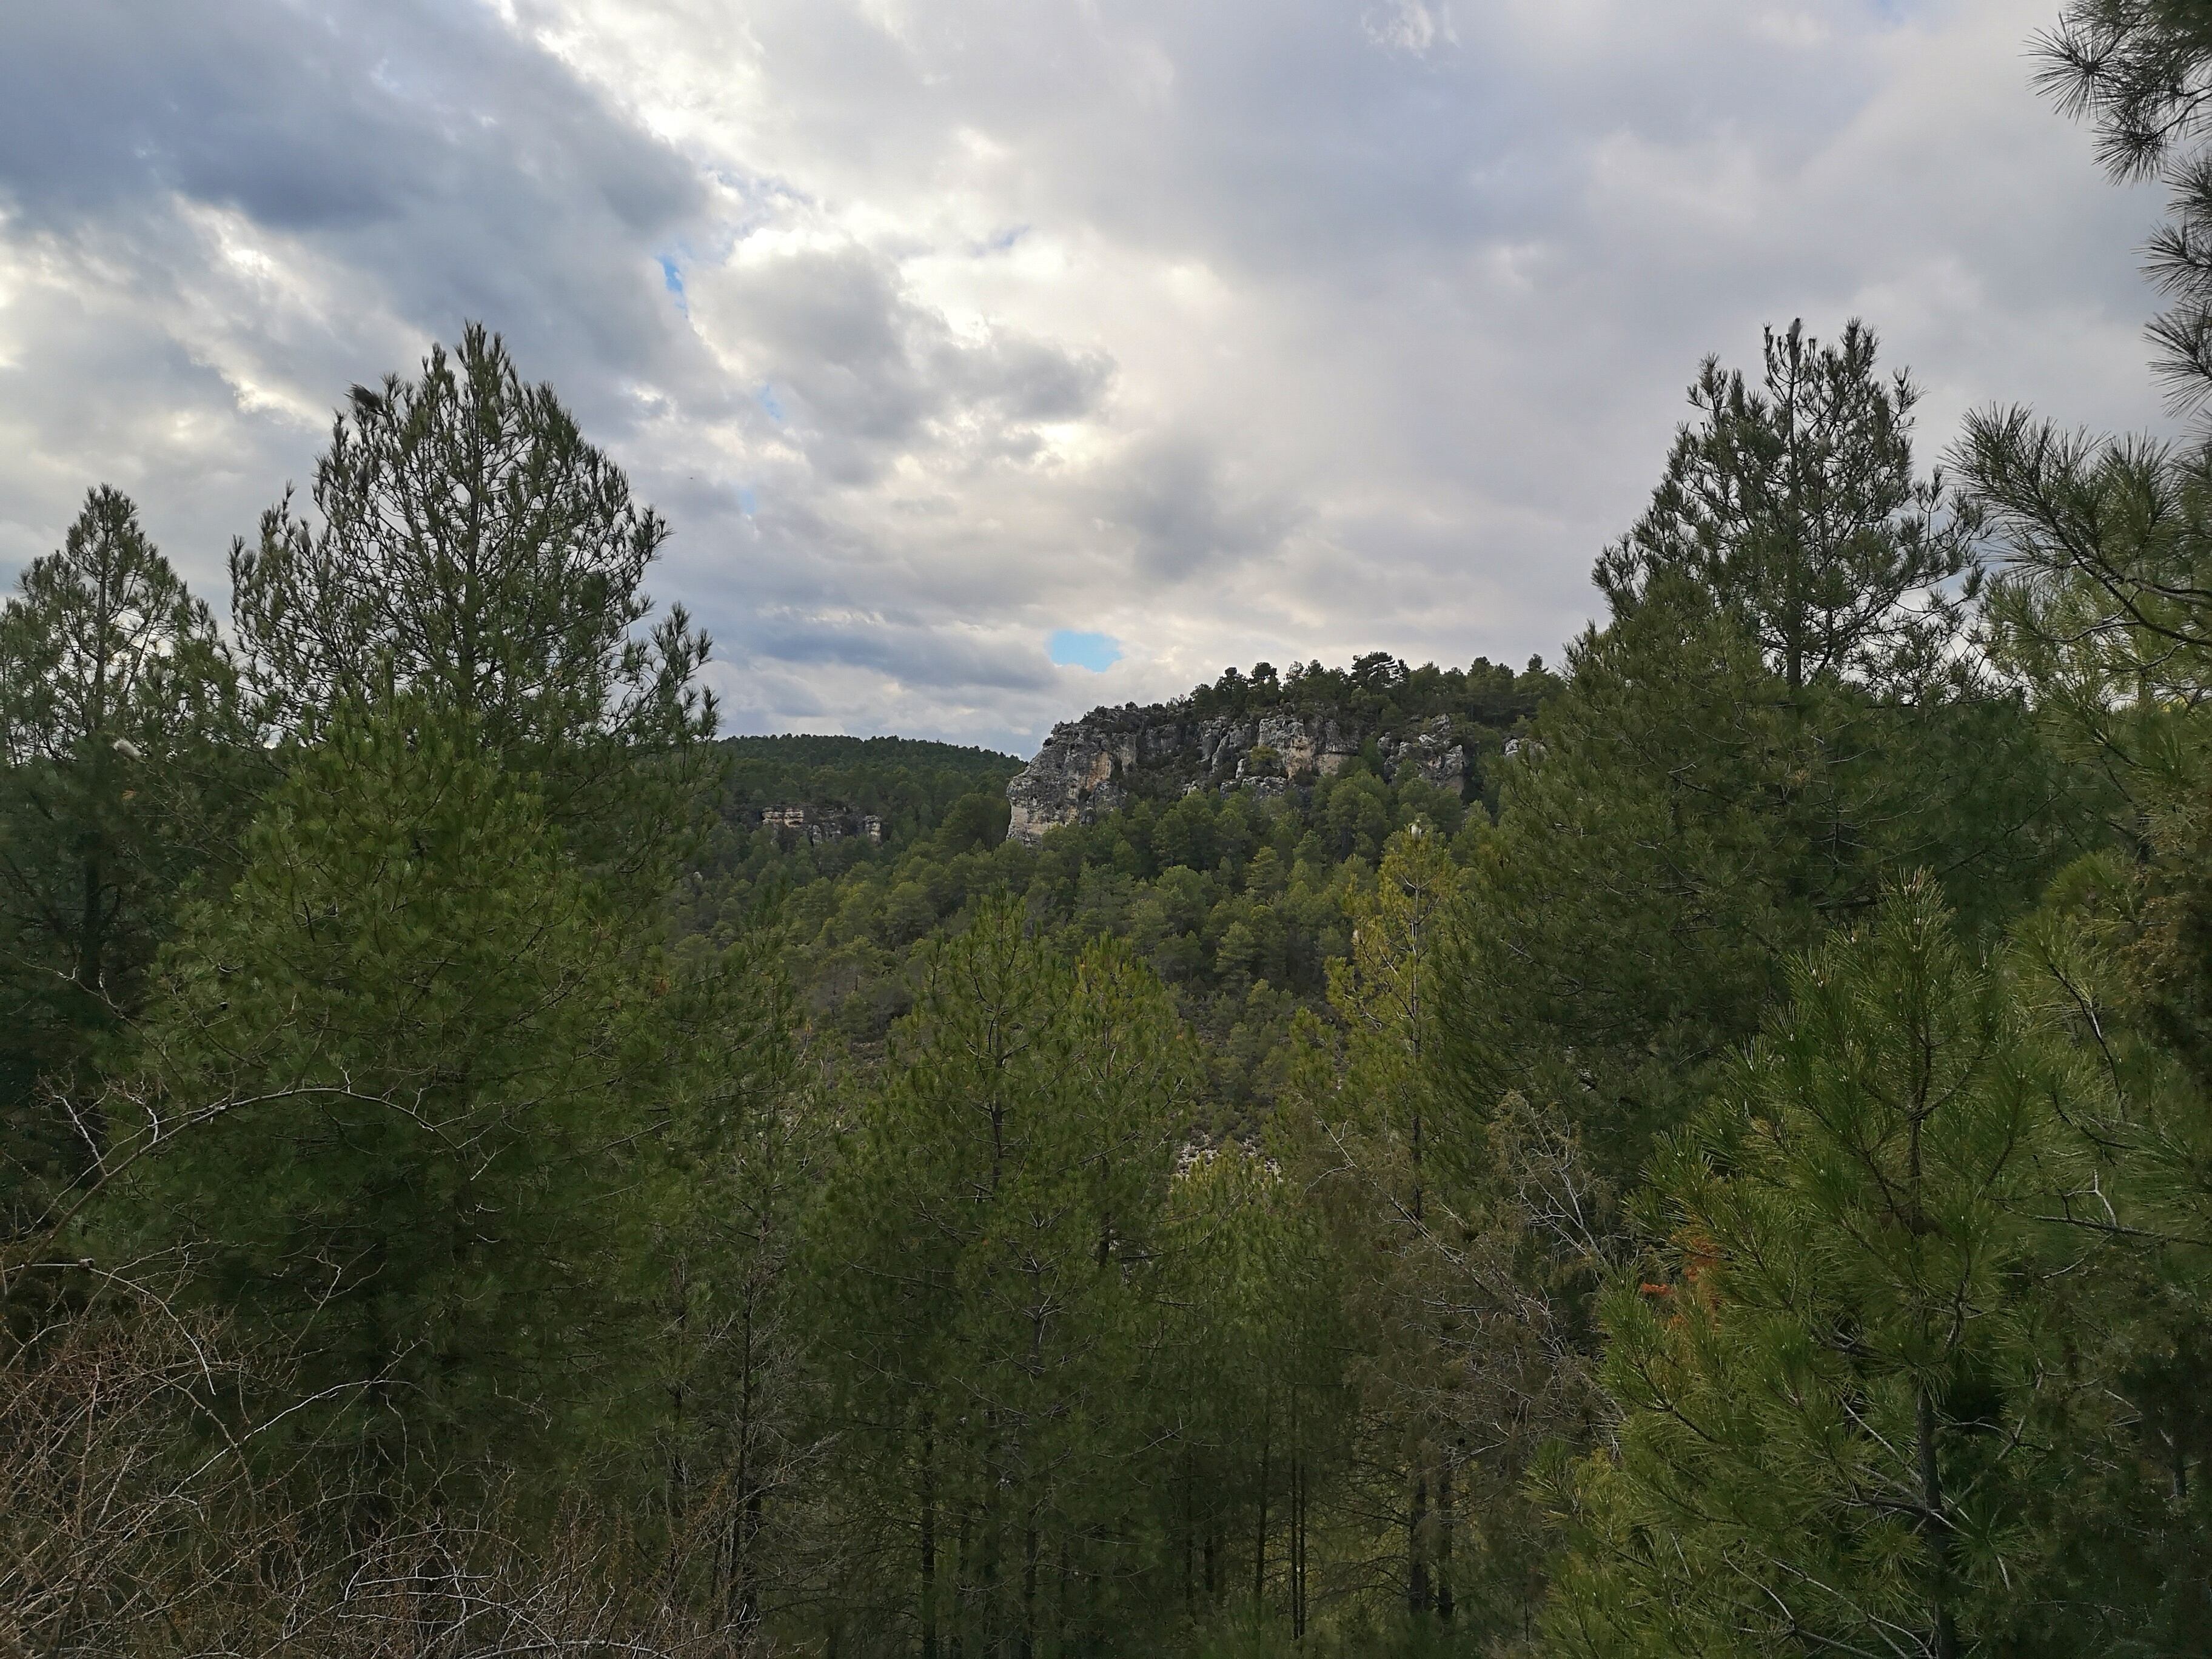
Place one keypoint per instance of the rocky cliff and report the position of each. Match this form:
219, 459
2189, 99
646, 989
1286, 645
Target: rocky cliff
1092, 766
819, 824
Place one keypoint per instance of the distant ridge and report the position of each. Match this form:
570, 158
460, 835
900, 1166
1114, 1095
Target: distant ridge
820, 785
1277, 732
830, 749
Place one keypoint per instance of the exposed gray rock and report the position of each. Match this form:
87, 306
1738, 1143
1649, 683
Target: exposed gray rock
1436, 756
1076, 776
1090, 767
819, 824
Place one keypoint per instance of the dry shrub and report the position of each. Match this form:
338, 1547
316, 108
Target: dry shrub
133, 1520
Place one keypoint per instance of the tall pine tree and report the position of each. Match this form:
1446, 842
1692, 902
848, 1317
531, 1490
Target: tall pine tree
473, 547
119, 734
400, 1084
994, 1236
1848, 1414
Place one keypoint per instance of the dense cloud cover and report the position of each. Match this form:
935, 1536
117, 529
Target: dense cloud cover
1259, 328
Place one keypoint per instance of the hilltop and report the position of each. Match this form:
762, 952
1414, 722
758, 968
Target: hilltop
1222, 833
1278, 735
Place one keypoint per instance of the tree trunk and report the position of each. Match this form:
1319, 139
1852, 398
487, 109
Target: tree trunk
1936, 1523
1445, 1602
745, 1576
678, 1498
1028, 1646
1260, 1542
1416, 1563
1189, 1536
90, 944
963, 1594
928, 1541
1064, 1622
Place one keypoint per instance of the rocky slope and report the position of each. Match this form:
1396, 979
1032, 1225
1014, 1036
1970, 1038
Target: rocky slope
818, 825
1088, 767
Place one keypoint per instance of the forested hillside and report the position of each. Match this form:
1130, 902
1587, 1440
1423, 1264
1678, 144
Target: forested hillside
907, 784
1238, 897
791, 810
1730, 1177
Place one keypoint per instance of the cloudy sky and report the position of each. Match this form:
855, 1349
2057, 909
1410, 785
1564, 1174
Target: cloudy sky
949, 333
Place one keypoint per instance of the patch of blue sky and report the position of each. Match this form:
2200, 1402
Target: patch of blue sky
671, 278
766, 398
1072, 649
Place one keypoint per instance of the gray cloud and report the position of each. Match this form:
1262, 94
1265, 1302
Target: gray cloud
386, 132
1174, 496
1267, 328
903, 649
857, 374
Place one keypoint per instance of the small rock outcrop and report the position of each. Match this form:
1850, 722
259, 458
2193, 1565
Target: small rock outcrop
819, 824
1089, 768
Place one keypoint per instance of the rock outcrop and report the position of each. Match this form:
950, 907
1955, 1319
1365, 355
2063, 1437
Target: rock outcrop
819, 824
1090, 767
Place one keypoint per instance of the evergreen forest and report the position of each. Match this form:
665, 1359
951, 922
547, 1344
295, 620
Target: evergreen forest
1733, 1180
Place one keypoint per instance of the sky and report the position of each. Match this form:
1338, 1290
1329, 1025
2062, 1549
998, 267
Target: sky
994, 359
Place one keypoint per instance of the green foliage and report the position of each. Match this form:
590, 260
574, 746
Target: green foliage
1236, 898
913, 790
2099, 607
2140, 71
1798, 508
1625, 912
119, 742
474, 548
992, 1238
725, 1289
1379, 687
404, 1065
1621, 1206
1361, 1137
906, 782
1236, 903
1251, 1397
1723, 781
1839, 1409
2114, 962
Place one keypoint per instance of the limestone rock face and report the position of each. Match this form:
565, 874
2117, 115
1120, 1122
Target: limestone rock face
1438, 755
1090, 767
819, 824
1076, 776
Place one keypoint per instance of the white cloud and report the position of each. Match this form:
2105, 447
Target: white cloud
1409, 26
1267, 328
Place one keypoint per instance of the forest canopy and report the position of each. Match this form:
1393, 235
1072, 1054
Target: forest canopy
487, 1167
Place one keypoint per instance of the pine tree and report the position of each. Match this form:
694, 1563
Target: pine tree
993, 1238
398, 1087
2139, 71
473, 547
734, 1399
2100, 611
1797, 506
1671, 833
2101, 605
1847, 1421
1781, 712
117, 702
1458, 1241
1254, 1416
1365, 1142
